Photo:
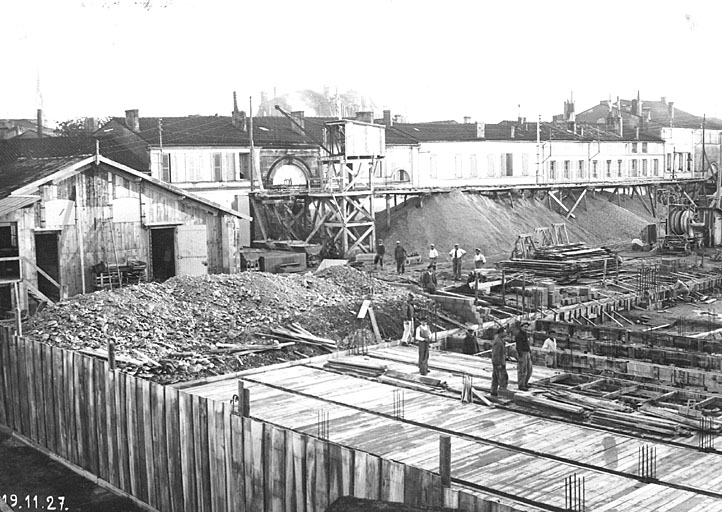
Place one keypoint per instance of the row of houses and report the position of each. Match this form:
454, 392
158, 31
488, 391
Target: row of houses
172, 194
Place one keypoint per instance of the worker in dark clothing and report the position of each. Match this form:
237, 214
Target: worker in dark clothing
499, 377
470, 342
428, 281
423, 338
523, 354
380, 251
400, 257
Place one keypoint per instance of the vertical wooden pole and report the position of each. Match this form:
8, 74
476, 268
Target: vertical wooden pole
246, 403
111, 355
445, 460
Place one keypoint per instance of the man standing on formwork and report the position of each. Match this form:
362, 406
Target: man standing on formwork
499, 377
423, 338
456, 254
523, 354
408, 321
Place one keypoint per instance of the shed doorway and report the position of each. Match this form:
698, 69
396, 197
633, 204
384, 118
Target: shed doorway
48, 260
162, 247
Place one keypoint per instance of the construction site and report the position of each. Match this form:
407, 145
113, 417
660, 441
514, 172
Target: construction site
295, 389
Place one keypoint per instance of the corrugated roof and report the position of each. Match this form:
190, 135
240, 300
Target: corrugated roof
24, 171
46, 147
12, 203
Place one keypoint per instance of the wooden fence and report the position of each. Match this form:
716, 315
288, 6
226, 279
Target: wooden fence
179, 452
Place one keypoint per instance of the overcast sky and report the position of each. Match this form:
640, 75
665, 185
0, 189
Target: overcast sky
427, 60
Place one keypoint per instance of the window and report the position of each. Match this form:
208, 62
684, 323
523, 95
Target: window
644, 167
595, 172
609, 169
669, 162
619, 168
580, 169
165, 167
655, 166
217, 166
402, 175
634, 147
244, 162
633, 170
552, 169
567, 165
193, 167
474, 168
509, 164
645, 148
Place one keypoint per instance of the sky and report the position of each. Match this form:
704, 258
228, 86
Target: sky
425, 60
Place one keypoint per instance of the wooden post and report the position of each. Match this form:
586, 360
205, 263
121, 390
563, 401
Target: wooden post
246, 403
18, 311
445, 460
503, 286
111, 355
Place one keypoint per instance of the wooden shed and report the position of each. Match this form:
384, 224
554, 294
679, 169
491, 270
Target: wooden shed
71, 225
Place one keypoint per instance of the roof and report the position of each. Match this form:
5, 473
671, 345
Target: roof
24, 175
662, 113
219, 131
46, 147
508, 131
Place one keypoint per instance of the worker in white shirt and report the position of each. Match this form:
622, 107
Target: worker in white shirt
479, 259
433, 256
423, 338
456, 254
550, 351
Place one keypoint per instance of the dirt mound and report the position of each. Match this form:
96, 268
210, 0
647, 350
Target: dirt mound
177, 323
473, 220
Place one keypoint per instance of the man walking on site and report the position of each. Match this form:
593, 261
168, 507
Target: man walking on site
380, 251
408, 321
499, 377
479, 259
423, 338
456, 255
523, 354
400, 257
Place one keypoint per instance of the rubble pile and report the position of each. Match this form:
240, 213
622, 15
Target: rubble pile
191, 327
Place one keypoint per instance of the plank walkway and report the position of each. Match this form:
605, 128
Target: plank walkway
493, 450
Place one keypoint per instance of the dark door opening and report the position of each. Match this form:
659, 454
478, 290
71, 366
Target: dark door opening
162, 244
48, 259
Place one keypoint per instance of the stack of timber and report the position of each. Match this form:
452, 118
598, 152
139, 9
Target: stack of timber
297, 333
356, 367
564, 262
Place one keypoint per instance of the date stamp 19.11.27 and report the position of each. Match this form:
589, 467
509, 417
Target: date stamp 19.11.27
34, 502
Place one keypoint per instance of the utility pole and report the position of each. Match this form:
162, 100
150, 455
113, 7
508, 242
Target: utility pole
250, 136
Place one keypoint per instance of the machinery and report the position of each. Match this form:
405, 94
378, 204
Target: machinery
684, 231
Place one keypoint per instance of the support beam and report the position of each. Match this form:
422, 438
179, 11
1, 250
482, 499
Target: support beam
581, 196
551, 195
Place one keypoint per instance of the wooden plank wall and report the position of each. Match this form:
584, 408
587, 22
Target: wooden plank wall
176, 452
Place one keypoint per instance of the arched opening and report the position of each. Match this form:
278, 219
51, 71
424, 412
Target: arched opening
288, 172
402, 176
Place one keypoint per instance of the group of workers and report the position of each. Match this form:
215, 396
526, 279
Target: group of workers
400, 254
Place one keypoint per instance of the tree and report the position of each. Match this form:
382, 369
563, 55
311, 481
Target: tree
77, 127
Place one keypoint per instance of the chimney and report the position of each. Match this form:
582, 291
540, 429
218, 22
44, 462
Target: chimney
572, 126
132, 120
40, 122
663, 99
90, 125
235, 102
670, 107
480, 130
299, 117
365, 117
398, 118
239, 120
388, 121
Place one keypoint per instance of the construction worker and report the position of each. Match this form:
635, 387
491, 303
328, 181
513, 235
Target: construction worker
423, 338
380, 251
428, 281
523, 354
456, 254
470, 342
479, 259
550, 350
499, 377
409, 311
400, 257
433, 256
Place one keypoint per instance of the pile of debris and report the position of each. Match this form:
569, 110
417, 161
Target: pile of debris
565, 262
192, 327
